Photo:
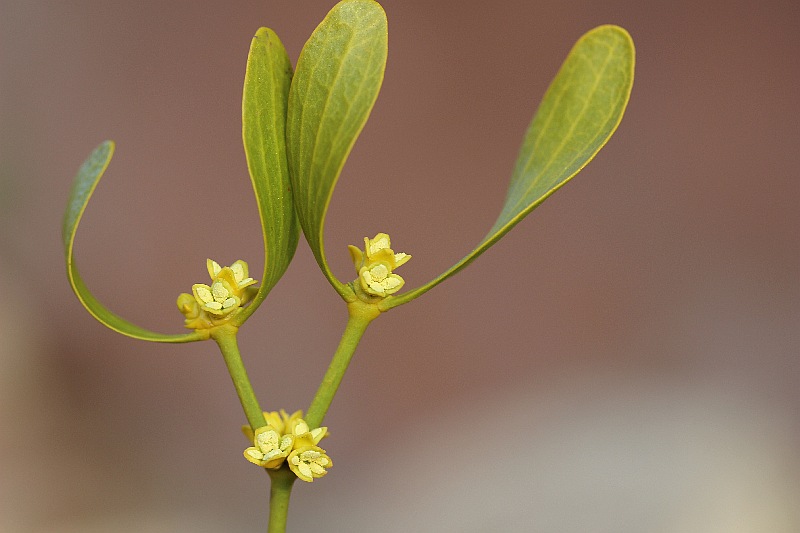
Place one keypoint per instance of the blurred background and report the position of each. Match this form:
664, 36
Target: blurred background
627, 359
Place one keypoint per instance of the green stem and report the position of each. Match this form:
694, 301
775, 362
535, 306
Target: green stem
360, 316
225, 337
280, 490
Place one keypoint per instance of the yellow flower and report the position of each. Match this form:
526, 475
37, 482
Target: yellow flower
375, 265
309, 462
241, 279
288, 438
230, 289
270, 447
380, 246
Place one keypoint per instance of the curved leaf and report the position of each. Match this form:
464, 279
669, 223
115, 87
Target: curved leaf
339, 74
264, 103
85, 182
579, 112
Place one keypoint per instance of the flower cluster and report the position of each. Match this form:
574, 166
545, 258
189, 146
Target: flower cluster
287, 438
211, 305
375, 265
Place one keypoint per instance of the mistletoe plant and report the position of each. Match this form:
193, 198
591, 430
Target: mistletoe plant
298, 129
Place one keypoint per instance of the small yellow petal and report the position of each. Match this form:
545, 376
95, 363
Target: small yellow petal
213, 268
401, 259
238, 271
318, 434
356, 255
392, 283
203, 292
300, 428
380, 242
274, 419
243, 265
304, 469
254, 456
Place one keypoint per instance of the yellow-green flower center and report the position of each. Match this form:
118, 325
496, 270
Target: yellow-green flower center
309, 464
216, 298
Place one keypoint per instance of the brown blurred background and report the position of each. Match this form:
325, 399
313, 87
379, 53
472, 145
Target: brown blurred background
626, 360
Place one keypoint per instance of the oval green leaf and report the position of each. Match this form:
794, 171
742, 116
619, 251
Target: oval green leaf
85, 183
579, 112
264, 105
338, 77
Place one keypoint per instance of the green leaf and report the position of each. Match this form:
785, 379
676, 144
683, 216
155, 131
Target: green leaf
85, 182
579, 112
264, 103
339, 74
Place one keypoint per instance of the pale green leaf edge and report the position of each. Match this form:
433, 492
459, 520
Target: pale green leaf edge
501, 227
264, 105
358, 16
84, 185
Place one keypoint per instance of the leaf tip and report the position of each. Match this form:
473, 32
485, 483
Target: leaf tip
618, 33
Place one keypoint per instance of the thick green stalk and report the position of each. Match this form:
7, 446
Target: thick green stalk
361, 315
279, 493
225, 337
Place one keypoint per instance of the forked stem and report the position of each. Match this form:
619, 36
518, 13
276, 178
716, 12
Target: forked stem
225, 337
361, 314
